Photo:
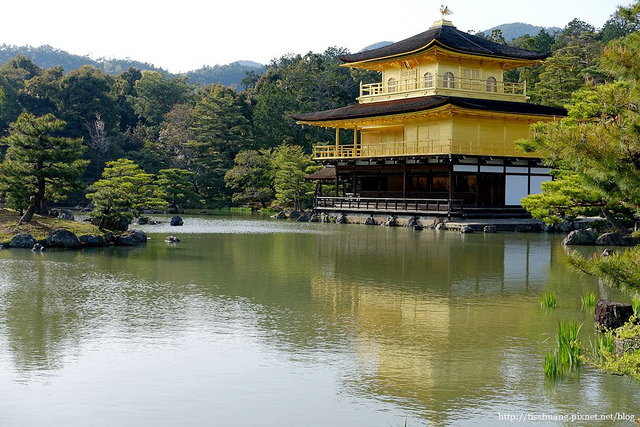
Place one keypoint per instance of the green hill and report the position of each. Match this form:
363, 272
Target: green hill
518, 29
227, 75
47, 57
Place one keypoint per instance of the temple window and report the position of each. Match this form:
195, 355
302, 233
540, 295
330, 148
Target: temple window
427, 79
471, 79
492, 84
392, 84
448, 81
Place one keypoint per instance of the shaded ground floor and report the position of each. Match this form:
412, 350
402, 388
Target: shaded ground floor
451, 185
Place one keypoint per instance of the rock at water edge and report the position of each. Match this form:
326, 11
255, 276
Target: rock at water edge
123, 240
176, 221
25, 240
138, 236
616, 239
466, 229
610, 314
92, 240
63, 239
580, 237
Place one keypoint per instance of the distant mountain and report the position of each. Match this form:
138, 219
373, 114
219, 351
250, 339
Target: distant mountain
227, 75
509, 32
376, 46
47, 57
518, 29
249, 64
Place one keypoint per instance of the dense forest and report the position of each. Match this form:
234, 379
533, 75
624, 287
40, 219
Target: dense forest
239, 146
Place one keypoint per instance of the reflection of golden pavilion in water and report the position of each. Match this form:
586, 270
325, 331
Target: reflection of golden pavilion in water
415, 341
399, 335
437, 133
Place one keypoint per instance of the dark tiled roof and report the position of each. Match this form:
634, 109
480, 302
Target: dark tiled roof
445, 36
322, 174
411, 105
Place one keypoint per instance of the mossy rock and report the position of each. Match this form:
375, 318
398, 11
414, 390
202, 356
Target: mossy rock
63, 239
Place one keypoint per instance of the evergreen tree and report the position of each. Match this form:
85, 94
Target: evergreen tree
19, 70
5, 113
156, 93
123, 91
574, 63
176, 132
15, 187
621, 57
616, 27
251, 177
566, 197
560, 75
122, 193
13, 76
302, 83
290, 165
178, 189
496, 36
220, 130
599, 143
596, 153
84, 93
41, 93
39, 166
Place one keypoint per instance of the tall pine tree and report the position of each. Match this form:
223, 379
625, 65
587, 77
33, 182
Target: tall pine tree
39, 166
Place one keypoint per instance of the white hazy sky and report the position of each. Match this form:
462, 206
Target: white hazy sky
183, 35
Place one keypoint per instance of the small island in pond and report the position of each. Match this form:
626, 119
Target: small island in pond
49, 232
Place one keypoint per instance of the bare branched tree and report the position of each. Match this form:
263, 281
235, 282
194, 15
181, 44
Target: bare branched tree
98, 135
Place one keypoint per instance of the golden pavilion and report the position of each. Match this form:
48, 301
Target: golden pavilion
437, 134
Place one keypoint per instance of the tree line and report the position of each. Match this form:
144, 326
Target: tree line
163, 123
217, 145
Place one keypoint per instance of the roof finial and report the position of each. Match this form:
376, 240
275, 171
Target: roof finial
445, 11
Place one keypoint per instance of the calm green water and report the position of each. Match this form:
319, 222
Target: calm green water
257, 322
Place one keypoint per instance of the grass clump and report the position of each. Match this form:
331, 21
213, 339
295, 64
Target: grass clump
548, 300
568, 343
552, 368
588, 301
635, 303
566, 356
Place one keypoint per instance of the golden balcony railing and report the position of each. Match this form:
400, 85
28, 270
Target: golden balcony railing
418, 148
441, 84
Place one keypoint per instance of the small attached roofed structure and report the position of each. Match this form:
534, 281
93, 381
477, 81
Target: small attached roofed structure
439, 129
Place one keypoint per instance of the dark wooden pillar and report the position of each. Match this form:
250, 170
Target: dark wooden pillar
353, 184
404, 180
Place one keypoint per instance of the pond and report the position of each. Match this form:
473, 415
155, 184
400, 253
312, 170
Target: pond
252, 321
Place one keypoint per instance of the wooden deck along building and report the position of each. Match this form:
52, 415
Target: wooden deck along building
437, 134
